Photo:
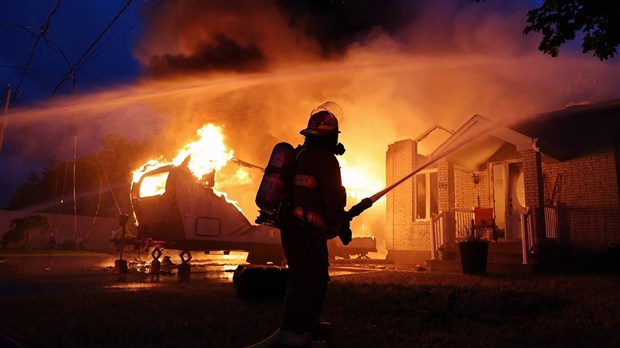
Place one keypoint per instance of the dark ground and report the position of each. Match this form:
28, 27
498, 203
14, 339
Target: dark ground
81, 302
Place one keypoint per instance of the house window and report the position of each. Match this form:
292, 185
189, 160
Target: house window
425, 196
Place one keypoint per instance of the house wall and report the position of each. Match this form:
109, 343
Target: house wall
446, 182
407, 241
587, 196
587, 192
532, 182
470, 195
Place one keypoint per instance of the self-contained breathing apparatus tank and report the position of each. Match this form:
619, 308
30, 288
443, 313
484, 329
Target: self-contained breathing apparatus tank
275, 183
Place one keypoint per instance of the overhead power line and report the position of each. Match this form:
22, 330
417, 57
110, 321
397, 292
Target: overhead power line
41, 34
126, 26
83, 56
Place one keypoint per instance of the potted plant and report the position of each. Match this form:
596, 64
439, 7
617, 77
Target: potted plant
474, 251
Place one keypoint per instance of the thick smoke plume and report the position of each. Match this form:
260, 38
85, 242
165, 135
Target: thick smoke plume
395, 67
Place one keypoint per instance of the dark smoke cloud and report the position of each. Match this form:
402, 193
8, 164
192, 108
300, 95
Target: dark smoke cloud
338, 24
197, 37
224, 54
251, 36
246, 35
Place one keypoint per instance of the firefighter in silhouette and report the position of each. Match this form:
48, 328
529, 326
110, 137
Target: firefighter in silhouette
315, 214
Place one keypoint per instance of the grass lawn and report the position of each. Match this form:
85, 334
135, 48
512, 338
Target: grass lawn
397, 307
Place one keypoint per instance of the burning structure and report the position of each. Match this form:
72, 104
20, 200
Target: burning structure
549, 183
177, 206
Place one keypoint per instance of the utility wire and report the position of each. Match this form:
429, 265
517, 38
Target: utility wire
49, 44
26, 28
57, 48
29, 69
41, 34
112, 40
81, 59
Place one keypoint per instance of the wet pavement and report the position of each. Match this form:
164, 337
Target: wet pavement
22, 273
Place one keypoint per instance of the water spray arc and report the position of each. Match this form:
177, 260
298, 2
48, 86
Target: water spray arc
368, 201
3, 119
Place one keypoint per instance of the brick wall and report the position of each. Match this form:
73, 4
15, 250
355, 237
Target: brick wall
402, 232
470, 195
399, 201
587, 195
446, 185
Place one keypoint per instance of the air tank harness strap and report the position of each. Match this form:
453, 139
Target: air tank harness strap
310, 217
303, 213
308, 181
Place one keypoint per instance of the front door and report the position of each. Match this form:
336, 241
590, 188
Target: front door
508, 198
516, 200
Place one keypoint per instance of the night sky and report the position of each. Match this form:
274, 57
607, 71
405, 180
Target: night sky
73, 27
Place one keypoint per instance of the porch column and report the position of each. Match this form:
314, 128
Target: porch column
446, 197
534, 192
399, 207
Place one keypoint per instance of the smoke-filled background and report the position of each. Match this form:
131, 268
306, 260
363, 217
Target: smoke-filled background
258, 68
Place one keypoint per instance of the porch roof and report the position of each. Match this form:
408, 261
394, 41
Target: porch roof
556, 134
574, 127
477, 140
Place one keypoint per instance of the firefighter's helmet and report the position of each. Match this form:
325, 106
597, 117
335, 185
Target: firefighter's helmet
323, 120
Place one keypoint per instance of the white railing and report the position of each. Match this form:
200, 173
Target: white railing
552, 224
462, 219
439, 229
438, 225
527, 238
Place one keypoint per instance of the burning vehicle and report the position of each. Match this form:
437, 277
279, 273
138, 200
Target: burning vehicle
185, 214
177, 206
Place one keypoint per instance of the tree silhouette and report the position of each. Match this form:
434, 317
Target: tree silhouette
560, 20
102, 181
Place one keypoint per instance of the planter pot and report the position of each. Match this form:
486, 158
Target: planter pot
474, 257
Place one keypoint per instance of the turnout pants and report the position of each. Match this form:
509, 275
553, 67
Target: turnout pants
305, 250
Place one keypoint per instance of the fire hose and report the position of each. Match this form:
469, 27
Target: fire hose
346, 235
368, 201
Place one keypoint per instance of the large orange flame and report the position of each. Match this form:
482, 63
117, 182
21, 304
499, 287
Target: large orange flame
205, 156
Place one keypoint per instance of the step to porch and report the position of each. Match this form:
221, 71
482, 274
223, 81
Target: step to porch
504, 257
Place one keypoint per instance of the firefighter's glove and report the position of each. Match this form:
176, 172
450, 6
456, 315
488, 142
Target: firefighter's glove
345, 234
